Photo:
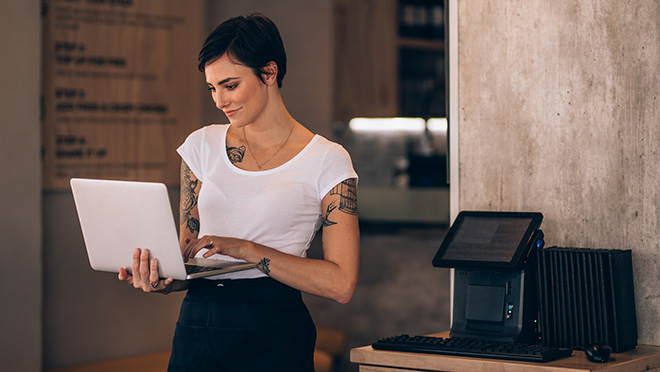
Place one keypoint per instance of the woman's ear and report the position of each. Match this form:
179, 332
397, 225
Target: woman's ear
269, 73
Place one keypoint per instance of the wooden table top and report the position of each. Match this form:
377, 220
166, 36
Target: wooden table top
643, 358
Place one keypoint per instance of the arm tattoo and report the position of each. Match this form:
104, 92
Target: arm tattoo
263, 265
188, 200
236, 154
347, 195
347, 201
326, 219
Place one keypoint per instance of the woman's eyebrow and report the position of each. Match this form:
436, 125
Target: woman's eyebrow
223, 81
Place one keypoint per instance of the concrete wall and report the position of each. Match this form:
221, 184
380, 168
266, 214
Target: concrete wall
559, 105
20, 186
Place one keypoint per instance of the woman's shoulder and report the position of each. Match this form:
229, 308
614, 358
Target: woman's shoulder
210, 130
213, 129
328, 146
324, 153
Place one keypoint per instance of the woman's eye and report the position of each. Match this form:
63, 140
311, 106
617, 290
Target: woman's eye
211, 89
230, 86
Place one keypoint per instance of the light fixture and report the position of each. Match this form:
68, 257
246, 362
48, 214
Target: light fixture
397, 124
437, 124
386, 124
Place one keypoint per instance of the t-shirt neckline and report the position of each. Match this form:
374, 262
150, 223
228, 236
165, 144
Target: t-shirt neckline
225, 157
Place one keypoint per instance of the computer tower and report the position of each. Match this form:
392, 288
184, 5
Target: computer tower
586, 296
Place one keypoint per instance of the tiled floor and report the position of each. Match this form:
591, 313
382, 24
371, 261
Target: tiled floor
399, 291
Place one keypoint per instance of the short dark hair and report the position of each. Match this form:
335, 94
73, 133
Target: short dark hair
252, 41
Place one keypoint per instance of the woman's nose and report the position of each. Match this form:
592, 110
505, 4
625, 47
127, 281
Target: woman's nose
220, 101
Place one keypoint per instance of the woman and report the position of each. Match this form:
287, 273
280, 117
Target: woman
256, 190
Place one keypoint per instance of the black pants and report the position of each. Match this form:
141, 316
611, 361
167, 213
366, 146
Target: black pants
243, 325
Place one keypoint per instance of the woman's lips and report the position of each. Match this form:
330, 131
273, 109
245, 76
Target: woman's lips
230, 113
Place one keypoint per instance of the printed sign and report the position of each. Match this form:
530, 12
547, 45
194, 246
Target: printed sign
121, 89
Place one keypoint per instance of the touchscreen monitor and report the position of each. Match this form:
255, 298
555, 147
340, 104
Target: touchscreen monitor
493, 240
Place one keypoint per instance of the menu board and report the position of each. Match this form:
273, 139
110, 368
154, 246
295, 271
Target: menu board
120, 88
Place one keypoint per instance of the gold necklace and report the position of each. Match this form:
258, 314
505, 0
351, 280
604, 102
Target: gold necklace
272, 156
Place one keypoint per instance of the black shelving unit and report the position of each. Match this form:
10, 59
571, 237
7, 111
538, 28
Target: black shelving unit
421, 43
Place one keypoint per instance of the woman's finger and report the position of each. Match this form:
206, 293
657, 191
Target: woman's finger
193, 247
186, 251
212, 250
136, 265
144, 265
153, 275
124, 276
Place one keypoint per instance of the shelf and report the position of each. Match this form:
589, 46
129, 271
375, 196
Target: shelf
411, 205
424, 44
388, 63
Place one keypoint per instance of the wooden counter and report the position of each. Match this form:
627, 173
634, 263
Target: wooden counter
643, 358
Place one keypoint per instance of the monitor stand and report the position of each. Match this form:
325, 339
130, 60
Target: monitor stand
495, 305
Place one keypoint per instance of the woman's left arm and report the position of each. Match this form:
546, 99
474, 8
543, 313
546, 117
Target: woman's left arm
334, 277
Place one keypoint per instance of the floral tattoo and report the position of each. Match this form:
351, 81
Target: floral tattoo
236, 154
188, 199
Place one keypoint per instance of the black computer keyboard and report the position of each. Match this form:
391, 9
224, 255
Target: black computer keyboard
471, 348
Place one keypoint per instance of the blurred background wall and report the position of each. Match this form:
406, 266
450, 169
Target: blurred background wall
57, 312
20, 186
557, 110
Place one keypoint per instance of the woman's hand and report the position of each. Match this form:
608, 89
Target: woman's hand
232, 247
145, 274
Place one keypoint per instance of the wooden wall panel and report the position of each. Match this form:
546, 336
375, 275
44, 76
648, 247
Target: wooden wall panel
120, 88
366, 81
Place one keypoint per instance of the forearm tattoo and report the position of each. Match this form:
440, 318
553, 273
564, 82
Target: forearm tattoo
236, 154
347, 200
188, 200
263, 265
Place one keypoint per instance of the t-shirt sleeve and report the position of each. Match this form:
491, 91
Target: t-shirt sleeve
191, 152
337, 167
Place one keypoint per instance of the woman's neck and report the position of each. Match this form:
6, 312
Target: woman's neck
274, 123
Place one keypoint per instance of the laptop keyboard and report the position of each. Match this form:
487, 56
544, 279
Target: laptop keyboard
471, 348
194, 269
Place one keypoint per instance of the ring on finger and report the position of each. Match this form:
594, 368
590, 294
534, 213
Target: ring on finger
154, 285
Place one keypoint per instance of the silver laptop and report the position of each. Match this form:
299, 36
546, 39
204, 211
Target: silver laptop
118, 216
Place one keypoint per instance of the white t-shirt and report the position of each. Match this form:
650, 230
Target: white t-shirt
279, 208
